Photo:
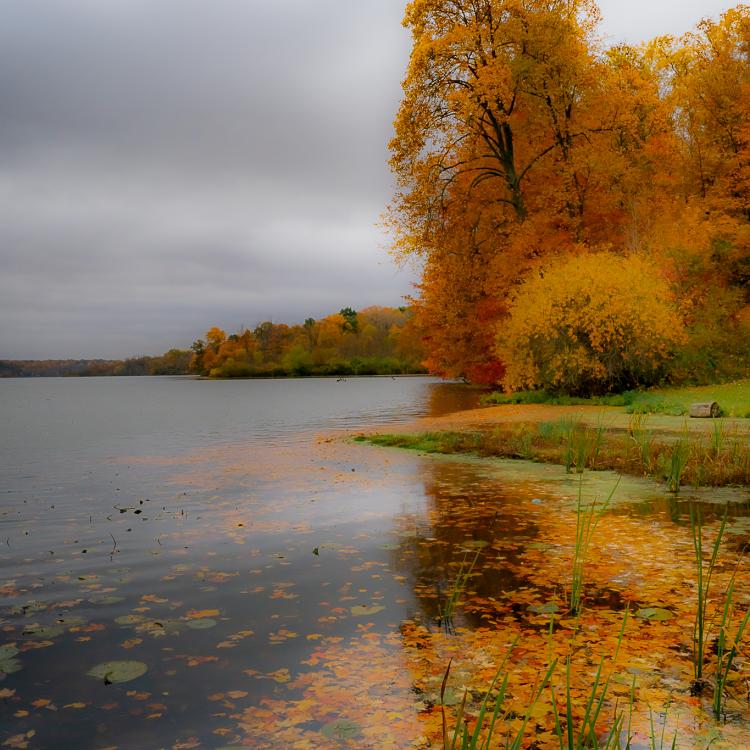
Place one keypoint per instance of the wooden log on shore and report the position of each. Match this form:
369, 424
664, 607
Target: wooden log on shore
707, 409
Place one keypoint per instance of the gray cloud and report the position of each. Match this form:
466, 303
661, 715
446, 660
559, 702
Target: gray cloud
173, 165
167, 165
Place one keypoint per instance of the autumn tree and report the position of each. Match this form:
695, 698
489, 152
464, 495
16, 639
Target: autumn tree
594, 323
501, 155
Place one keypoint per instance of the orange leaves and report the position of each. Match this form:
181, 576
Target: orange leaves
198, 614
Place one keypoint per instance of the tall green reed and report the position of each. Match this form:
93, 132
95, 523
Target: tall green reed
726, 647
462, 737
588, 516
448, 610
678, 461
702, 626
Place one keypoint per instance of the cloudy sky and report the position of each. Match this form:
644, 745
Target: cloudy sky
169, 165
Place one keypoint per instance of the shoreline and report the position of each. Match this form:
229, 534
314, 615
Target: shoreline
673, 451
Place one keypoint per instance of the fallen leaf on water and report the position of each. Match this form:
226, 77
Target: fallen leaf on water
360, 610
197, 614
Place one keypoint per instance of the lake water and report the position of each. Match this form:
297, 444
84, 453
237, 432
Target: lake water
197, 564
130, 503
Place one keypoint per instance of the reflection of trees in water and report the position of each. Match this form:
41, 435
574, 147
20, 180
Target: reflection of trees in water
446, 398
676, 508
469, 514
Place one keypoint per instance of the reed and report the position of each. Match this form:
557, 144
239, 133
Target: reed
585, 736
726, 647
463, 737
701, 626
447, 611
677, 464
643, 438
587, 519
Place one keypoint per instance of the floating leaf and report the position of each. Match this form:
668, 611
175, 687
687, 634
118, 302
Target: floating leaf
31, 607
360, 610
118, 671
111, 599
197, 614
654, 614
42, 631
541, 546
474, 544
341, 729
203, 624
10, 665
544, 609
129, 619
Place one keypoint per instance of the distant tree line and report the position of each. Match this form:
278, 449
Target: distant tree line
374, 341
173, 362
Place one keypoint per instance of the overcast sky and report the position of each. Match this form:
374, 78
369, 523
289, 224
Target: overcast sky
169, 165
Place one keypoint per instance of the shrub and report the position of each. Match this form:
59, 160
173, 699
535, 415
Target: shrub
596, 323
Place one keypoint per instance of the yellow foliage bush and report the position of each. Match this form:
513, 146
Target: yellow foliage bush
594, 323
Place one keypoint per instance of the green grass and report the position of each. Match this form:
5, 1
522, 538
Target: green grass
734, 399
552, 399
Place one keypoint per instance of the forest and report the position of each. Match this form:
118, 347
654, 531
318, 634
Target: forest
373, 341
580, 212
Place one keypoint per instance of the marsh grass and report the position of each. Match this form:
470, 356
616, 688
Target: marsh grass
588, 516
661, 738
704, 576
585, 736
491, 711
726, 647
678, 461
709, 461
643, 438
447, 611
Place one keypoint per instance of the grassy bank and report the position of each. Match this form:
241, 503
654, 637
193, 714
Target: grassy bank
734, 399
719, 458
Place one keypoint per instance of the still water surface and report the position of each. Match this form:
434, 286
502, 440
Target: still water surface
172, 522
265, 582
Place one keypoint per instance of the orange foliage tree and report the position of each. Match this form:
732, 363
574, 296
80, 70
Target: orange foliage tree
520, 141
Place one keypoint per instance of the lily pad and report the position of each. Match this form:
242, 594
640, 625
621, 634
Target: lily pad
129, 619
544, 609
42, 631
7, 651
203, 624
360, 610
112, 599
451, 696
654, 614
118, 671
474, 544
341, 729
9, 666
70, 621
540, 546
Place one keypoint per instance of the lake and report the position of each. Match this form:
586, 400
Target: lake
215, 564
